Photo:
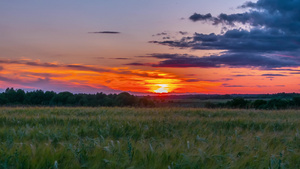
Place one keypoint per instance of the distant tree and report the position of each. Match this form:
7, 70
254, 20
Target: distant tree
35, 97
145, 102
10, 95
20, 96
125, 99
101, 97
277, 104
296, 100
210, 105
82, 100
61, 98
237, 103
259, 104
92, 100
226, 96
48, 95
3, 99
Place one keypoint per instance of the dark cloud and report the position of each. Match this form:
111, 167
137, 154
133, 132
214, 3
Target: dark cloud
295, 73
241, 75
183, 33
30, 63
226, 79
107, 32
280, 85
193, 80
1, 68
199, 17
278, 14
271, 40
135, 64
121, 58
87, 68
201, 80
190, 75
238, 40
228, 85
45, 75
161, 34
225, 59
279, 69
207, 80
5, 79
272, 75
261, 86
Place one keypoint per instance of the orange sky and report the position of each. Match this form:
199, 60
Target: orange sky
29, 74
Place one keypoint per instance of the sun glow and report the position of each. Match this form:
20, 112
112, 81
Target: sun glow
163, 88
162, 85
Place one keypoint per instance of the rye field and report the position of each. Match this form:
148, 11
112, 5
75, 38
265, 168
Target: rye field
150, 138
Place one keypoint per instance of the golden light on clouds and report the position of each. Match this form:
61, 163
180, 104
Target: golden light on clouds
23, 72
29, 74
163, 85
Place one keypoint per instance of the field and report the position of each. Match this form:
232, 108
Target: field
170, 138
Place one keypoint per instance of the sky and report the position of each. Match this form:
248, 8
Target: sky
144, 47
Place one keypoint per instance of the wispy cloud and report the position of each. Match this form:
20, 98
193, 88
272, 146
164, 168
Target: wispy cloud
121, 58
229, 85
262, 86
207, 80
107, 32
183, 32
161, 34
271, 75
135, 64
241, 75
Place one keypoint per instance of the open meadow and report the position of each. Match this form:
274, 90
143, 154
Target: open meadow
170, 138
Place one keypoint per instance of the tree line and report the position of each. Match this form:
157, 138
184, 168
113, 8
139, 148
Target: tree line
14, 97
271, 104
18, 97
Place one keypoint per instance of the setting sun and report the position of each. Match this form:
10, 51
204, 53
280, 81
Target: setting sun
162, 85
163, 88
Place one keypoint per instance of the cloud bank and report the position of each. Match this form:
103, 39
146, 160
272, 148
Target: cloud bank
266, 36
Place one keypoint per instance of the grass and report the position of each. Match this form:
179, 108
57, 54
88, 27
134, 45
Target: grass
170, 138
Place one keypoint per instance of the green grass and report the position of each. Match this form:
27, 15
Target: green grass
170, 138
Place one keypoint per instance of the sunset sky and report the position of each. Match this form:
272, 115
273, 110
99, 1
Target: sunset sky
157, 46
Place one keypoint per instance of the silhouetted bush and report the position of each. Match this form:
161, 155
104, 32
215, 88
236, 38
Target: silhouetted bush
259, 104
277, 104
238, 103
210, 105
296, 100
